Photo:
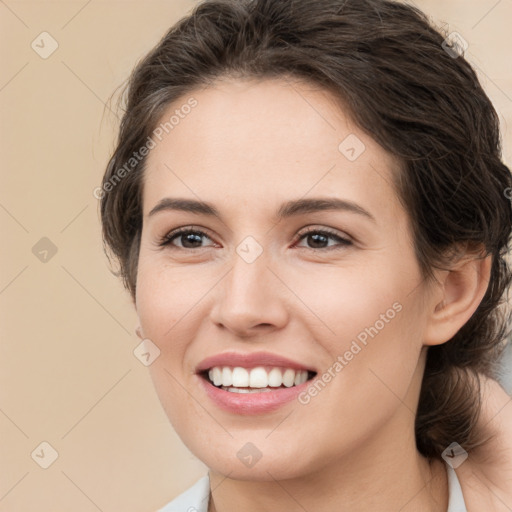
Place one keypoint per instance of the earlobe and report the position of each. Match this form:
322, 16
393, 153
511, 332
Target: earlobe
461, 288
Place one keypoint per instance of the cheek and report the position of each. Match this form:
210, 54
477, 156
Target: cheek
370, 324
166, 299
347, 302
165, 306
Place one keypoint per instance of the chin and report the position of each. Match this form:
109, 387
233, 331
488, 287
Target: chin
243, 460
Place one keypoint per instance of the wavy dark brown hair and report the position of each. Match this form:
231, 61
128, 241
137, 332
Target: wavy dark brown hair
391, 68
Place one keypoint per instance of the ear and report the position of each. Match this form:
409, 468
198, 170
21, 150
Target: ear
457, 295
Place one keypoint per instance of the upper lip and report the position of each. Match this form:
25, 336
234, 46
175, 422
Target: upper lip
250, 360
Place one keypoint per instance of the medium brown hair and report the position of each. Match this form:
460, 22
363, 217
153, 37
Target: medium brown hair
405, 87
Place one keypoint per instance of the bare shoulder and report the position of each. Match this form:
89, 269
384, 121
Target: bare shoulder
486, 476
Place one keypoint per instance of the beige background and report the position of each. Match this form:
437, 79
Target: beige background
68, 375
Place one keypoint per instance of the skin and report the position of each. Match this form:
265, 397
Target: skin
248, 147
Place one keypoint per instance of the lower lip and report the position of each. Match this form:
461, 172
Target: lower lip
252, 403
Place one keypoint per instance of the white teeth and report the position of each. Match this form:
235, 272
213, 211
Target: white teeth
227, 376
259, 378
240, 377
245, 390
288, 378
275, 377
217, 376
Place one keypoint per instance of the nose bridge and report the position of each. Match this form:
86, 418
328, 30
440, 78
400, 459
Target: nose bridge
247, 283
250, 293
249, 274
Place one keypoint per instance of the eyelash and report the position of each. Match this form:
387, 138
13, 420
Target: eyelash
343, 242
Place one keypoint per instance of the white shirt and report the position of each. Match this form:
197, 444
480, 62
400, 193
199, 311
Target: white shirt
195, 499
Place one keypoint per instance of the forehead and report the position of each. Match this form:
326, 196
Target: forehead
256, 142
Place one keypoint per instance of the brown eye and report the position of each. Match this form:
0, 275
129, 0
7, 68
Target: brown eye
319, 239
189, 239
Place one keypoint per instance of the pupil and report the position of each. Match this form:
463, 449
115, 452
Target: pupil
190, 238
316, 238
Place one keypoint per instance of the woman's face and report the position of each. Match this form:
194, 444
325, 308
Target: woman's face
336, 291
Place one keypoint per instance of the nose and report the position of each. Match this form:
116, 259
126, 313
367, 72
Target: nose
250, 299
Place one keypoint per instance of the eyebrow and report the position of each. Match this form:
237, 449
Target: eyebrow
288, 209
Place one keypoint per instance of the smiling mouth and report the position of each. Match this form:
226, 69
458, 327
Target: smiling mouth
260, 379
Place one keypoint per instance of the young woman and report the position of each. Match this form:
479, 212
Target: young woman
309, 208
